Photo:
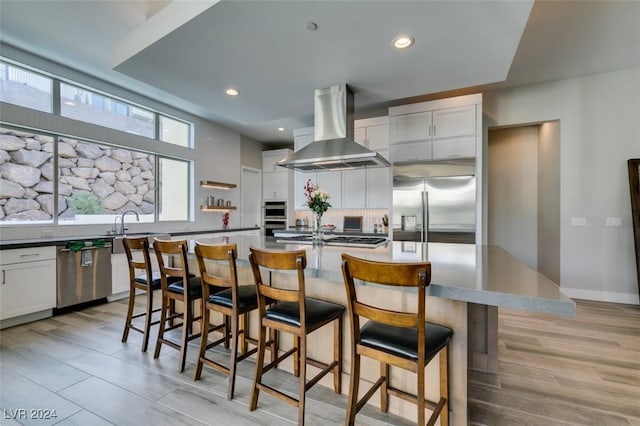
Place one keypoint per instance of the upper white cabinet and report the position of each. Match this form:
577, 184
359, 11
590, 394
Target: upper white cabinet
434, 130
277, 182
379, 186
372, 133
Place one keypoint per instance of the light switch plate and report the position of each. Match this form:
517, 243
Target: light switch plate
578, 221
613, 221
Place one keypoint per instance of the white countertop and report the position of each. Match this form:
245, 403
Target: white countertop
487, 275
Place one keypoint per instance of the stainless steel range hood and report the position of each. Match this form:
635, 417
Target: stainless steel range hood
333, 147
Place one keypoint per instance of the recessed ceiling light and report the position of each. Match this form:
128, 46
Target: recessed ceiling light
403, 41
281, 129
232, 92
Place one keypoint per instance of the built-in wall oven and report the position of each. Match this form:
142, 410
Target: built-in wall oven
275, 216
270, 226
275, 210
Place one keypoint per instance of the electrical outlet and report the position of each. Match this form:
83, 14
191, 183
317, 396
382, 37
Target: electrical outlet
613, 221
578, 221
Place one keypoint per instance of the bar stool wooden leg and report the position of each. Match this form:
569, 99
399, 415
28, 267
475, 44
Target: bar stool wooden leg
420, 396
147, 319
184, 339
163, 319
132, 299
253, 404
296, 356
245, 331
337, 355
444, 385
203, 342
384, 394
302, 345
354, 384
275, 345
234, 355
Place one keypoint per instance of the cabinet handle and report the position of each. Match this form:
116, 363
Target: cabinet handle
434, 131
3, 277
430, 130
30, 254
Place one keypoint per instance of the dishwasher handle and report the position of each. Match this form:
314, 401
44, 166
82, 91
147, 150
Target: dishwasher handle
66, 250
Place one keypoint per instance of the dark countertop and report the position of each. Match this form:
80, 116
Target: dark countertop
302, 230
55, 241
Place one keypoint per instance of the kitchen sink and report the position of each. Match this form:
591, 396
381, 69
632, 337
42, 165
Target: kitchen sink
118, 245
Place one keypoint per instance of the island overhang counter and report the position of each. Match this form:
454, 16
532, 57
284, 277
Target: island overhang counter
468, 284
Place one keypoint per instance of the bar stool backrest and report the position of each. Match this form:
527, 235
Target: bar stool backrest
218, 253
389, 274
138, 257
278, 260
176, 250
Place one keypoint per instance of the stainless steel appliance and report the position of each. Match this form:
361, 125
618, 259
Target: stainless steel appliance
334, 147
83, 275
271, 226
275, 209
336, 240
434, 202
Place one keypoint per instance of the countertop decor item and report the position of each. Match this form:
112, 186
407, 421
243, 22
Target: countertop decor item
225, 220
317, 201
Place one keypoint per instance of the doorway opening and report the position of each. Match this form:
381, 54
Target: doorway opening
524, 194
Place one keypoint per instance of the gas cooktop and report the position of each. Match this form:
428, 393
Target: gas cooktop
336, 240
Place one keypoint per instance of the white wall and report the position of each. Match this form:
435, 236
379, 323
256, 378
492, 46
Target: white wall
513, 192
599, 119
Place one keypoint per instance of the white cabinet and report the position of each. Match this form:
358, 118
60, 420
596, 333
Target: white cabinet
331, 183
411, 151
410, 127
28, 281
275, 186
354, 188
446, 128
276, 181
119, 273
372, 133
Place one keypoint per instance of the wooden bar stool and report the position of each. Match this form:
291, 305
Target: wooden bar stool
402, 339
177, 291
137, 251
221, 293
298, 315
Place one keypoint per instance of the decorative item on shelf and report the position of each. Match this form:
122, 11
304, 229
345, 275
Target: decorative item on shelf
385, 223
317, 201
225, 220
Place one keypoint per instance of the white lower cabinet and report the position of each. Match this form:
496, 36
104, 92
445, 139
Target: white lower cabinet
119, 273
28, 281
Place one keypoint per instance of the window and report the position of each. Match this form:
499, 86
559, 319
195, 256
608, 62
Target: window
175, 132
25, 88
173, 178
26, 177
97, 182
91, 107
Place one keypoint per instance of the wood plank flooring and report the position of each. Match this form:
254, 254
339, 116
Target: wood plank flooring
76, 365
558, 371
552, 370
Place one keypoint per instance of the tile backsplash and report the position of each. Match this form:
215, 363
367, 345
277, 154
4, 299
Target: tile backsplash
336, 217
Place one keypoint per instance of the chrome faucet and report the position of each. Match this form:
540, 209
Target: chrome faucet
122, 227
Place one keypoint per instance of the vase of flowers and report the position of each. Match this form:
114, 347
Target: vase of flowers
317, 201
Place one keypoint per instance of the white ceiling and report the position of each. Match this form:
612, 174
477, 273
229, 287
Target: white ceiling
185, 53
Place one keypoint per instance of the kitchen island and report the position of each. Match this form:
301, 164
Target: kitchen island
468, 283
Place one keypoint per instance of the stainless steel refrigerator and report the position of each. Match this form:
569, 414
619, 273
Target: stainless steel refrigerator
434, 202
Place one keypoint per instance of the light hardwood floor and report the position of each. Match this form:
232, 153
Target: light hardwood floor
552, 370
558, 371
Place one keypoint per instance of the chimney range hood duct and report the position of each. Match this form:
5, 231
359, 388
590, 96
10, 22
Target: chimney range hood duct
333, 147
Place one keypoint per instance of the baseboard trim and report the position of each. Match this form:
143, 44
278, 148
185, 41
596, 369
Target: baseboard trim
602, 296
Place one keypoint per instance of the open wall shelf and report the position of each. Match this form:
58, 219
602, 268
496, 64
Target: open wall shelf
216, 208
217, 185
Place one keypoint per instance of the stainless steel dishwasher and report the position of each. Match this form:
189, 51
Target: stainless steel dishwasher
84, 275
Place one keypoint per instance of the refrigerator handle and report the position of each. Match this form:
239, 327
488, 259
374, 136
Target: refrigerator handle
425, 217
